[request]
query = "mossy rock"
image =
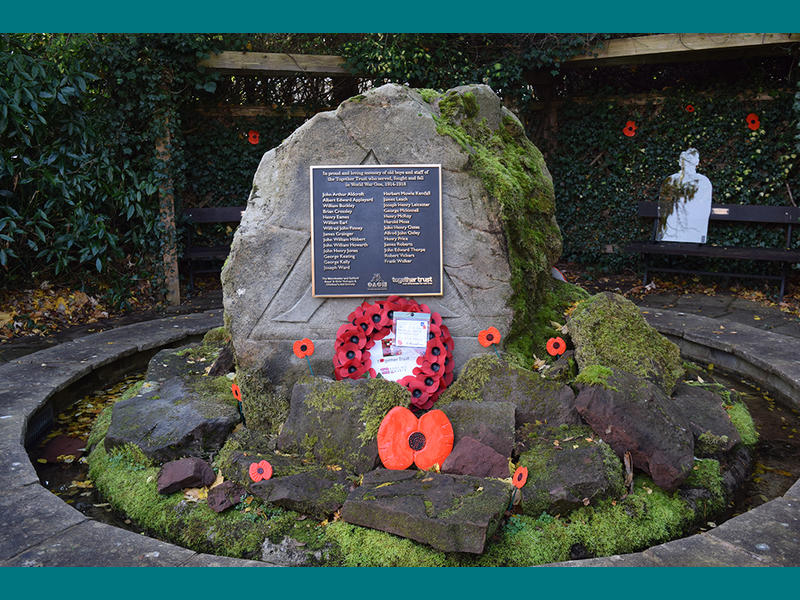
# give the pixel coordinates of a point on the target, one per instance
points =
(336, 422)
(568, 467)
(609, 330)
(489, 379)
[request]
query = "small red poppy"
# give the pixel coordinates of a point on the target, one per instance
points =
(237, 393)
(752, 121)
(629, 129)
(260, 471)
(420, 396)
(689, 108)
(303, 348)
(520, 477)
(252, 136)
(556, 346)
(349, 333)
(404, 440)
(490, 336)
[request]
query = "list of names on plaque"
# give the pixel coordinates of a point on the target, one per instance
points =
(376, 230)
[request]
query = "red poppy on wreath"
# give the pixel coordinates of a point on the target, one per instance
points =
(629, 129)
(404, 440)
(490, 336)
(520, 477)
(556, 346)
(370, 323)
(753, 121)
(252, 136)
(237, 393)
(689, 108)
(303, 348)
(260, 471)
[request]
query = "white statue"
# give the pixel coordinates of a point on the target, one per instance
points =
(685, 203)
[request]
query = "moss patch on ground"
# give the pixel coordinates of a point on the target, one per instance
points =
(609, 330)
(743, 422)
(596, 375)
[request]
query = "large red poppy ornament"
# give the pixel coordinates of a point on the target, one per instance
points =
(404, 440)
(370, 323)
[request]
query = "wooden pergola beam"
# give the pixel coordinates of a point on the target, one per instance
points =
(279, 64)
(666, 47)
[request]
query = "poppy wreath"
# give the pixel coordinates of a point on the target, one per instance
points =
(370, 323)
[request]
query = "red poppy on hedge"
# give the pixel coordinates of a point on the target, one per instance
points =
(303, 348)
(689, 108)
(260, 471)
(237, 393)
(520, 477)
(629, 129)
(490, 336)
(404, 440)
(556, 346)
(753, 121)
(252, 136)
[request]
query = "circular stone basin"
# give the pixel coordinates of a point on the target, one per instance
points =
(771, 372)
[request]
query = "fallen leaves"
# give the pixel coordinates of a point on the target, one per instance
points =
(195, 494)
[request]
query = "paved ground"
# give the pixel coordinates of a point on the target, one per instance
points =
(38, 529)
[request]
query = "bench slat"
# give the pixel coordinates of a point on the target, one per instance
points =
(215, 214)
(687, 249)
(748, 213)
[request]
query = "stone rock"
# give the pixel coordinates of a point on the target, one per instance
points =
(453, 513)
(176, 362)
(336, 422)
(172, 419)
(710, 424)
(318, 493)
(470, 457)
(184, 473)
(224, 496)
(634, 415)
(486, 378)
(267, 279)
(224, 363)
(63, 445)
(608, 330)
(235, 466)
(292, 553)
(490, 423)
(580, 470)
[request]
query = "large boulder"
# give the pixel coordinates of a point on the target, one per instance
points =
(491, 175)
(453, 513)
(174, 419)
(486, 378)
(636, 416)
(608, 330)
(568, 467)
(709, 422)
(336, 422)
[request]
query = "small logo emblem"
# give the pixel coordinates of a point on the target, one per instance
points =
(377, 283)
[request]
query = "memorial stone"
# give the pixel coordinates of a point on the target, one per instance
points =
(268, 295)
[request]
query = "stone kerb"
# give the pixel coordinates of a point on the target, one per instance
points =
(38, 529)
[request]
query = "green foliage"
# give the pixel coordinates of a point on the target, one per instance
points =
(600, 174)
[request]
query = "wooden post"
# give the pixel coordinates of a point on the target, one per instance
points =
(166, 192)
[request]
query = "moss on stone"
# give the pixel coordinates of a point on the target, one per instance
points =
(362, 547)
(743, 422)
(216, 337)
(708, 444)
(609, 330)
(264, 407)
(473, 377)
(596, 375)
(429, 95)
(513, 172)
(706, 475)
(384, 395)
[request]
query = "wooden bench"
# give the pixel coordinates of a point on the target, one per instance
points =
(741, 213)
(207, 254)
